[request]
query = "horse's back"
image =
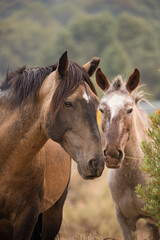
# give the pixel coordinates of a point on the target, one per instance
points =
(57, 172)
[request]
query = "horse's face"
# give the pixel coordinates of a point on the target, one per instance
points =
(117, 108)
(75, 128)
(117, 121)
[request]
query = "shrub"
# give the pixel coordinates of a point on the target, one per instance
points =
(151, 166)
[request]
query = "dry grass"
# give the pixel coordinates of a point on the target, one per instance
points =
(88, 210)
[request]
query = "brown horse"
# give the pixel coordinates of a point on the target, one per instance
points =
(124, 125)
(56, 179)
(57, 102)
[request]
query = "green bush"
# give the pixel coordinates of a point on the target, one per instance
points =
(151, 166)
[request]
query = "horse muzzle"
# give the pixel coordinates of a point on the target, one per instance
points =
(93, 169)
(114, 161)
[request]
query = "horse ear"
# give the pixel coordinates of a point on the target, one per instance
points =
(91, 66)
(102, 80)
(133, 80)
(63, 65)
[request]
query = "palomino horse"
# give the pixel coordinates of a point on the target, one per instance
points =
(57, 102)
(124, 125)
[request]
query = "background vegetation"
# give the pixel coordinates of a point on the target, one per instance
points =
(124, 33)
(151, 166)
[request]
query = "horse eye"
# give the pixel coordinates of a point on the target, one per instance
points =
(130, 110)
(68, 104)
(101, 110)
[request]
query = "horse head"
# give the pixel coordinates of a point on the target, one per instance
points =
(70, 116)
(117, 107)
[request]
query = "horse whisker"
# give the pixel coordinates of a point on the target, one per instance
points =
(129, 157)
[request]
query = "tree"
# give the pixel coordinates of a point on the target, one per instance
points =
(115, 60)
(151, 166)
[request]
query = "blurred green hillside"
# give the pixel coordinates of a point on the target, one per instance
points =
(124, 33)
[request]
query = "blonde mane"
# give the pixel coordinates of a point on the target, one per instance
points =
(140, 96)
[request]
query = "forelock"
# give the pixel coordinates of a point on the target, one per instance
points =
(117, 82)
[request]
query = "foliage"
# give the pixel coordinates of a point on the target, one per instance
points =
(124, 35)
(116, 60)
(151, 166)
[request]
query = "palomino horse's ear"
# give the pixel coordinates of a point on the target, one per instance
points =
(133, 80)
(102, 80)
(63, 64)
(91, 66)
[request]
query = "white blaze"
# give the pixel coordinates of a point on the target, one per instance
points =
(86, 97)
(115, 103)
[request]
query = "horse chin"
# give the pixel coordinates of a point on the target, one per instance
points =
(85, 177)
(113, 166)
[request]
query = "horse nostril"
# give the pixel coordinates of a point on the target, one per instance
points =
(105, 152)
(120, 154)
(93, 164)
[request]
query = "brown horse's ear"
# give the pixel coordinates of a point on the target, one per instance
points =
(133, 80)
(102, 80)
(91, 66)
(63, 64)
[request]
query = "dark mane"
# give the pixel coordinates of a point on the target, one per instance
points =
(24, 83)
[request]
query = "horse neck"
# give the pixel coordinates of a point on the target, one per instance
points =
(138, 134)
(22, 128)
(22, 132)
